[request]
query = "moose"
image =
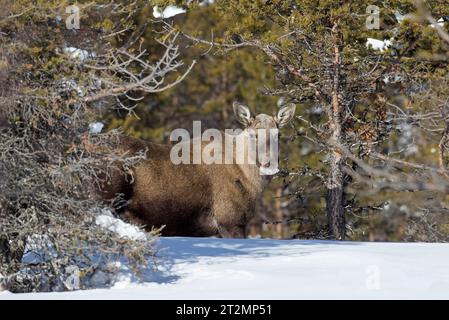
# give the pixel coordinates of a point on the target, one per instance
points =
(194, 199)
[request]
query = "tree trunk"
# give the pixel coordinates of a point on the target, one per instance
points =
(335, 201)
(335, 184)
(279, 227)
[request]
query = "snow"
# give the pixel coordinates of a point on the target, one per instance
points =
(168, 12)
(401, 17)
(406, 141)
(121, 228)
(68, 85)
(38, 249)
(376, 44)
(77, 54)
(211, 268)
(440, 22)
(96, 127)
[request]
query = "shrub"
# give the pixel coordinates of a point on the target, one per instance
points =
(54, 82)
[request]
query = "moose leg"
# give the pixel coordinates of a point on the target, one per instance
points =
(233, 231)
(230, 228)
(238, 231)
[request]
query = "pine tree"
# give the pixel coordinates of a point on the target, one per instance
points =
(319, 52)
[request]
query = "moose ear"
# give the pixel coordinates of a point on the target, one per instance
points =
(285, 115)
(242, 113)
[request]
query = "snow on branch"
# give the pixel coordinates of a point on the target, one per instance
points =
(434, 22)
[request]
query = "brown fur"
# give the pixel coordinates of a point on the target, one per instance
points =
(188, 199)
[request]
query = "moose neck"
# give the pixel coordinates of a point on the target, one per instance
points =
(249, 167)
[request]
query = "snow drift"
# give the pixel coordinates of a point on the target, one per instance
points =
(209, 268)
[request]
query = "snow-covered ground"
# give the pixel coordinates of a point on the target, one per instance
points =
(168, 12)
(209, 268)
